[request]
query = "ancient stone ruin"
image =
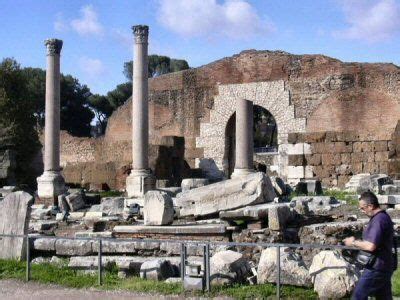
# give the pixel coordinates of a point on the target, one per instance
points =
(181, 151)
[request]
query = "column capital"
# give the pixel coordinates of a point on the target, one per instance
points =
(53, 46)
(141, 33)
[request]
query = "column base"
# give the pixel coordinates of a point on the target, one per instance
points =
(241, 172)
(139, 182)
(50, 185)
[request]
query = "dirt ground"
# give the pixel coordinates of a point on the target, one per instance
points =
(18, 290)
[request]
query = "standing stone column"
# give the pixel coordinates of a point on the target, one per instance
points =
(51, 183)
(140, 180)
(244, 138)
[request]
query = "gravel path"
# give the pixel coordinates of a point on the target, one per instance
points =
(16, 290)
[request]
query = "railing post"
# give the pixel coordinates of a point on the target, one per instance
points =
(278, 271)
(207, 267)
(99, 263)
(28, 259)
(183, 261)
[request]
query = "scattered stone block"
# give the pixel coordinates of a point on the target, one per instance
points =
(157, 269)
(73, 247)
(44, 244)
(333, 276)
(309, 186)
(112, 206)
(75, 201)
(41, 213)
(389, 189)
(158, 208)
(388, 199)
(193, 284)
(173, 280)
(63, 204)
(228, 267)
(75, 216)
(45, 225)
(316, 203)
(255, 188)
(192, 183)
(254, 212)
(278, 216)
(293, 269)
(93, 215)
(15, 212)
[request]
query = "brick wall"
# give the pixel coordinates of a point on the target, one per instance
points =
(335, 156)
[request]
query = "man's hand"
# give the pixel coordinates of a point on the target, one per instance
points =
(349, 241)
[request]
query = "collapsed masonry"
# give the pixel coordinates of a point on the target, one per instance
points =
(253, 208)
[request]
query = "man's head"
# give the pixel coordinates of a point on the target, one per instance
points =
(368, 203)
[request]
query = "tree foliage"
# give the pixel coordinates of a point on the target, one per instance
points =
(75, 112)
(158, 65)
(17, 115)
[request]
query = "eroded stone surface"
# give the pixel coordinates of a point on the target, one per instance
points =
(158, 208)
(333, 276)
(14, 219)
(234, 193)
(293, 269)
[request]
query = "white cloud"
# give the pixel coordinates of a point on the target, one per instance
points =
(369, 20)
(60, 24)
(88, 23)
(92, 67)
(233, 18)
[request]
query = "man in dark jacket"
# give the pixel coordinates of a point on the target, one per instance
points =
(378, 239)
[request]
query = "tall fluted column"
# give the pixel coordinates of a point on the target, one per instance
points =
(244, 138)
(51, 183)
(140, 180)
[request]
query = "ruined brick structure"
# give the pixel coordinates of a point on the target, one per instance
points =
(334, 119)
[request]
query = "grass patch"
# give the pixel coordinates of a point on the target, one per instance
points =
(396, 283)
(61, 275)
(350, 198)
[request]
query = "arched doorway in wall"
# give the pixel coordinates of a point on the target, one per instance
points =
(265, 137)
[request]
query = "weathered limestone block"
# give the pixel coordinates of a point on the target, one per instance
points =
(278, 216)
(41, 213)
(254, 212)
(293, 269)
(157, 269)
(44, 244)
(390, 189)
(73, 247)
(75, 201)
(388, 199)
(333, 276)
(234, 193)
(112, 205)
(192, 183)
(15, 212)
(316, 203)
(228, 267)
(158, 208)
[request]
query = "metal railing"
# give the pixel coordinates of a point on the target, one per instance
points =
(183, 252)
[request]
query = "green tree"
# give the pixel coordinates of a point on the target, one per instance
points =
(158, 65)
(17, 115)
(75, 112)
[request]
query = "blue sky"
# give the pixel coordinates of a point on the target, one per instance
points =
(98, 39)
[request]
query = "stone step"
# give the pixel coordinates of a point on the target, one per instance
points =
(172, 229)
